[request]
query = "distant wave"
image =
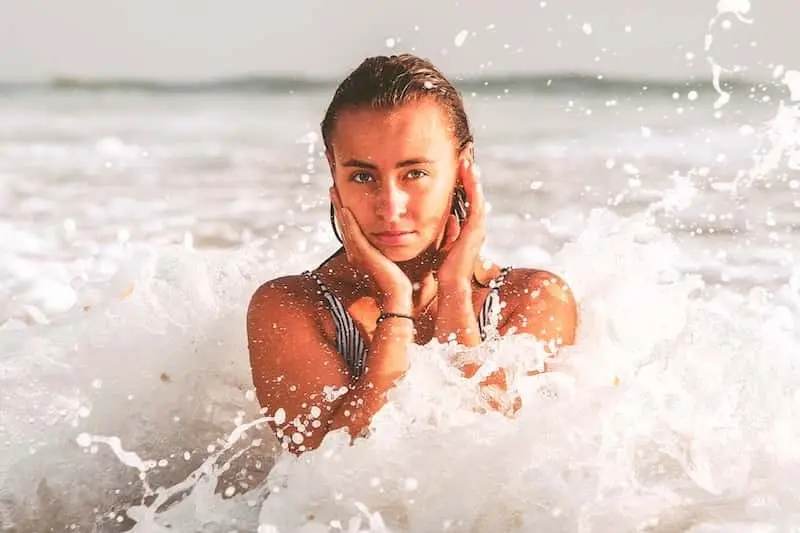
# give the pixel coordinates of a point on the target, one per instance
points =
(556, 83)
(253, 84)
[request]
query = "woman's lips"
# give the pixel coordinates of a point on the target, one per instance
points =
(393, 238)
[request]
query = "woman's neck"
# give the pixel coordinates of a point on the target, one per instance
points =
(422, 274)
(420, 271)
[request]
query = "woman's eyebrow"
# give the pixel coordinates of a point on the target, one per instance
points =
(405, 163)
(414, 161)
(359, 164)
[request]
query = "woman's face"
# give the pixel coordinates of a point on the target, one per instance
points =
(396, 170)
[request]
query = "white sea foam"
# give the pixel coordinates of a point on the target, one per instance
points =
(676, 408)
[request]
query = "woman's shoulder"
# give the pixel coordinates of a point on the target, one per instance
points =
(285, 295)
(521, 281)
(540, 302)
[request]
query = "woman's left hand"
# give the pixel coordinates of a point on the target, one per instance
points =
(462, 242)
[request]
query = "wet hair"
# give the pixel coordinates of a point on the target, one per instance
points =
(388, 82)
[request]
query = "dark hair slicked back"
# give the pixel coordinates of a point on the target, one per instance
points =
(387, 82)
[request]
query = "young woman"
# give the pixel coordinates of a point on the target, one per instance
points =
(326, 345)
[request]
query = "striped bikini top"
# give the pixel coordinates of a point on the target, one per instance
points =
(350, 343)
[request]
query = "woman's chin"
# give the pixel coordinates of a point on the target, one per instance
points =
(400, 254)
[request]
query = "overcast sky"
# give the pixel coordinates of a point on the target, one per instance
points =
(185, 39)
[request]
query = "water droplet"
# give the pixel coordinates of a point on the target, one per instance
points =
(746, 130)
(737, 7)
(630, 168)
(792, 80)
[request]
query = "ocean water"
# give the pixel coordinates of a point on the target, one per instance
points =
(136, 219)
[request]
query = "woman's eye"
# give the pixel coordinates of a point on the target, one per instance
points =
(361, 177)
(416, 174)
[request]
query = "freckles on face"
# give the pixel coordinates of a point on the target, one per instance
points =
(396, 167)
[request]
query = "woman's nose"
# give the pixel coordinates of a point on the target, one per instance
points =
(392, 201)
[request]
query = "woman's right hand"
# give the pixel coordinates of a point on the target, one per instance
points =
(393, 285)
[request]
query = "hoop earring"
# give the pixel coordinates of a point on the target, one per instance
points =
(333, 225)
(460, 204)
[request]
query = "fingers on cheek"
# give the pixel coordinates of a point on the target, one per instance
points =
(347, 220)
(453, 230)
(451, 225)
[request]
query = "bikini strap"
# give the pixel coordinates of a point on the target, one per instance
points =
(322, 288)
(349, 342)
(489, 316)
(498, 282)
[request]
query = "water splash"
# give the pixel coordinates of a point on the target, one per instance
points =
(780, 140)
(737, 8)
(667, 407)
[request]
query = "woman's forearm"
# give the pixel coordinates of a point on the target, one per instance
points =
(455, 318)
(387, 361)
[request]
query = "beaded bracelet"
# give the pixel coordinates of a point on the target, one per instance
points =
(384, 316)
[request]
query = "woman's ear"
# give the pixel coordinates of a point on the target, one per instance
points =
(465, 156)
(468, 151)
